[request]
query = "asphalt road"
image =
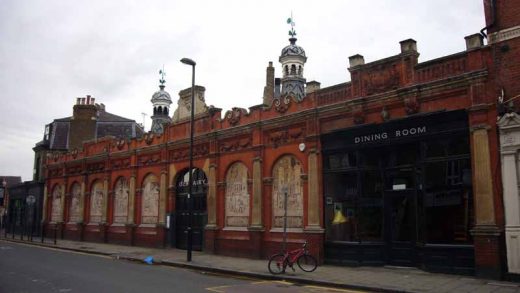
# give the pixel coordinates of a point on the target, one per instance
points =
(25, 268)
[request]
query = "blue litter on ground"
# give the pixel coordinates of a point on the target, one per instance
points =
(149, 260)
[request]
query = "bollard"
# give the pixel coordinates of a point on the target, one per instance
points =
(12, 228)
(55, 232)
(32, 231)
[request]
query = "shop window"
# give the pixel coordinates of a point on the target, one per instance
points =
(370, 207)
(402, 155)
(447, 147)
(447, 202)
(371, 158)
(341, 190)
(341, 161)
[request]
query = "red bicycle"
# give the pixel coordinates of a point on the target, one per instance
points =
(280, 261)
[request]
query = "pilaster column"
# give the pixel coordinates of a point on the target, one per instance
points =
(45, 202)
(483, 186)
(512, 210)
(485, 233)
(81, 203)
(256, 213)
(313, 207)
(163, 193)
(212, 196)
(62, 203)
(131, 200)
(105, 201)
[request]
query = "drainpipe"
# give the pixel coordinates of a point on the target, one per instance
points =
(493, 17)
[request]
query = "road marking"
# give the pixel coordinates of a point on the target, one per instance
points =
(217, 289)
(329, 289)
(277, 286)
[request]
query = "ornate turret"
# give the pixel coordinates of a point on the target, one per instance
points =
(161, 106)
(293, 60)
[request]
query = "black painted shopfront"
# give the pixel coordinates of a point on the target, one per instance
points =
(399, 193)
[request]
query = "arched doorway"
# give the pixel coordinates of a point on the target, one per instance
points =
(198, 208)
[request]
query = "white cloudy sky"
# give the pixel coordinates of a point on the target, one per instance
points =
(54, 51)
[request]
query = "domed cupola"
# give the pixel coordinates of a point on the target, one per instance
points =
(293, 60)
(161, 102)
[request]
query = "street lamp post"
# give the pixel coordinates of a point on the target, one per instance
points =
(192, 63)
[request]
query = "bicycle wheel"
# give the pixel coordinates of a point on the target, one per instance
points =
(307, 263)
(277, 264)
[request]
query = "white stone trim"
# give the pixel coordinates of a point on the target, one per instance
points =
(232, 228)
(504, 35)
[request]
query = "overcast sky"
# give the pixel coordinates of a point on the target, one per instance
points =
(54, 51)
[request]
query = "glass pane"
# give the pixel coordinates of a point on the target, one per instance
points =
(370, 207)
(341, 190)
(341, 161)
(401, 218)
(447, 202)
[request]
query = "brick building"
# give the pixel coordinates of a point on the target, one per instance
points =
(399, 166)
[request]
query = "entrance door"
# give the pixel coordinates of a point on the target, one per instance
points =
(400, 218)
(197, 203)
(400, 227)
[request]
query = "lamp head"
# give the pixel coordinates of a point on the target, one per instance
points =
(188, 61)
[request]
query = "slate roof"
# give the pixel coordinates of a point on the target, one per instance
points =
(11, 180)
(107, 124)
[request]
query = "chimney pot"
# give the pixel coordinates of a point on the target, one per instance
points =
(78, 101)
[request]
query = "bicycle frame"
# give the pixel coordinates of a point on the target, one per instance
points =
(292, 256)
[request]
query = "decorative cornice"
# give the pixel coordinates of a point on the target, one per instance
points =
(504, 35)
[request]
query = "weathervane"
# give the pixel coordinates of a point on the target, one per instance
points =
(163, 74)
(290, 21)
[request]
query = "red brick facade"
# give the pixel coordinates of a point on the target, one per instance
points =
(393, 88)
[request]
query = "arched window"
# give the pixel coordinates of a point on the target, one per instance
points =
(165, 111)
(75, 206)
(286, 70)
(300, 70)
(287, 182)
(97, 202)
(121, 194)
(293, 69)
(150, 200)
(56, 210)
(237, 196)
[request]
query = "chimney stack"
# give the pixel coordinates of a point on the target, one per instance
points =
(356, 60)
(474, 41)
(409, 45)
(312, 86)
(269, 85)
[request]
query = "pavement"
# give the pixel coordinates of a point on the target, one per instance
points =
(377, 279)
